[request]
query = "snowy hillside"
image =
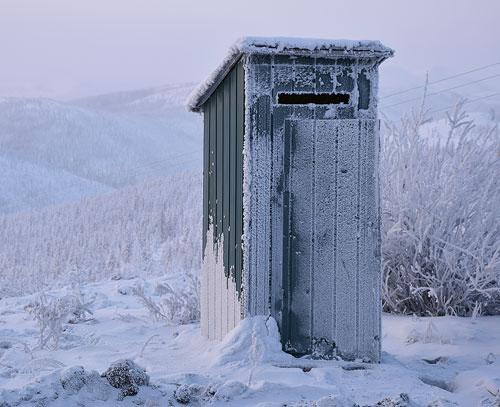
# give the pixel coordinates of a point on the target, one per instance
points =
(25, 186)
(107, 141)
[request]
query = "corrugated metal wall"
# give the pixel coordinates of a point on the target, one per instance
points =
(223, 197)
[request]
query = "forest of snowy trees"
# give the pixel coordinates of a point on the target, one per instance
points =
(145, 230)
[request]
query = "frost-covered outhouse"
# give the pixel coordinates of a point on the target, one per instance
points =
(291, 214)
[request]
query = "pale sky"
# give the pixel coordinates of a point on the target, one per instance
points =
(72, 48)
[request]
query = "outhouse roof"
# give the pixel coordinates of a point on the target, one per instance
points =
(284, 46)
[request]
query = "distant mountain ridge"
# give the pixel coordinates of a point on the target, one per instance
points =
(149, 100)
(53, 152)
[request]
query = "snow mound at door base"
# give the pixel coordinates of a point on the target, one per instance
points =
(256, 340)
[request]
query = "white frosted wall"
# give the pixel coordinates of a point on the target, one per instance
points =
(220, 304)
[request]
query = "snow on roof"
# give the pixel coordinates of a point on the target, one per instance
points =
(284, 46)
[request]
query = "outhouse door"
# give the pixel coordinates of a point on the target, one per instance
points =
(331, 254)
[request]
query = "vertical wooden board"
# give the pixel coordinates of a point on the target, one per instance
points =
(219, 205)
(211, 302)
(262, 79)
(301, 244)
(279, 210)
(204, 302)
(305, 78)
(363, 84)
(277, 228)
(233, 171)
(206, 213)
(325, 78)
(251, 255)
(237, 309)
(213, 212)
(261, 180)
(282, 79)
(301, 112)
(369, 264)
(206, 169)
(227, 168)
(324, 248)
(220, 161)
(221, 305)
(286, 237)
(376, 232)
(346, 243)
(344, 80)
(226, 207)
(240, 119)
(213, 159)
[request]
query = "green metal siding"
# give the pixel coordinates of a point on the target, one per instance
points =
(223, 169)
(206, 178)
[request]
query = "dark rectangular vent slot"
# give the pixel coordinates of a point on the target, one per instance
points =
(315, 98)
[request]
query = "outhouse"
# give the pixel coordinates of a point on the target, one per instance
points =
(291, 211)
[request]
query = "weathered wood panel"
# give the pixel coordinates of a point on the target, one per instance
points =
(346, 245)
(324, 230)
(301, 234)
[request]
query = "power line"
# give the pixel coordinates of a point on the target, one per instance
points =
(444, 90)
(466, 102)
(440, 80)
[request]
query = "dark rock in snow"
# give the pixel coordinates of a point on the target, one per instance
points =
(354, 366)
(439, 359)
(402, 401)
(183, 394)
(127, 376)
(323, 349)
(72, 379)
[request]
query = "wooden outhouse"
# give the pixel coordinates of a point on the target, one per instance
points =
(291, 212)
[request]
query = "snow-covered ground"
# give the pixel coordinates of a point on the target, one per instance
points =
(440, 361)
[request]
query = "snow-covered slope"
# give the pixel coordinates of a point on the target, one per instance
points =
(25, 186)
(110, 140)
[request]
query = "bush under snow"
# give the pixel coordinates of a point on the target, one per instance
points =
(440, 215)
(51, 314)
(179, 305)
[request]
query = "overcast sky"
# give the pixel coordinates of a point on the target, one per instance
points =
(72, 48)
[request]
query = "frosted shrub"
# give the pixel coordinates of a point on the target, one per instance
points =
(51, 314)
(440, 217)
(178, 306)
